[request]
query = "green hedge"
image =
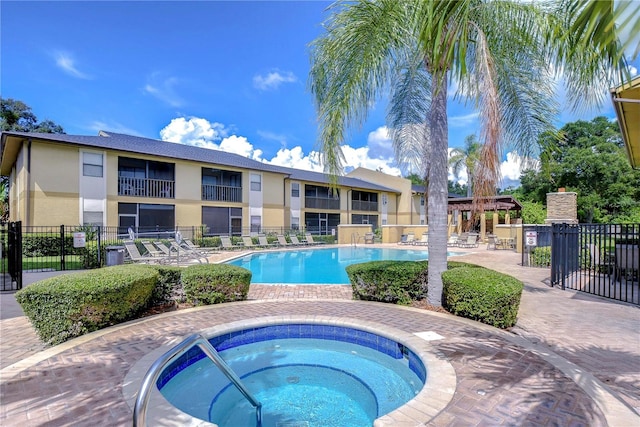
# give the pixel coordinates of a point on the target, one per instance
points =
(482, 294)
(397, 282)
(169, 287)
(215, 283)
(70, 305)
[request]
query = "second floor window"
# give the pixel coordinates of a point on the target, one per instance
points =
(256, 182)
(295, 189)
(92, 164)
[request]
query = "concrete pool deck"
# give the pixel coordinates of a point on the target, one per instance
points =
(572, 359)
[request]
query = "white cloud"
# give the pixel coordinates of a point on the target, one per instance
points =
(380, 143)
(194, 131)
(465, 121)
(295, 158)
(512, 167)
(66, 62)
(163, 88)
(273, 80)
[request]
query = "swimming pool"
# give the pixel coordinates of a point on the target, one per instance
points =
(317, 266)
(311, 374)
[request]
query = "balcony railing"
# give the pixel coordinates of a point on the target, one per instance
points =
(321, 203)
(223, 193)
(361, 205)
(146, 187)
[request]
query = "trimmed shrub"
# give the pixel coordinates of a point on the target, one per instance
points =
(483, 295)
(67, 306)
(169, 287)
(397, 282)
(541, 256)
(215, 283)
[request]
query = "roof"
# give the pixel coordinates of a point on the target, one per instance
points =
(494, 203)
(626, 102)
(421, 189)
(11, 142)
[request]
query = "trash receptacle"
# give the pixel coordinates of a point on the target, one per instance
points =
(115, 255)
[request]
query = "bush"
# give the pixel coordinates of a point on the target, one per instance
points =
(168, 289)
(541, 256)
(67, 306)
(215, 283)
(483, 295)
(397, 282)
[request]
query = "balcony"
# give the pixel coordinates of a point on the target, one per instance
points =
(221, 193)
(361, 205)
(321, 203)
(146, 187)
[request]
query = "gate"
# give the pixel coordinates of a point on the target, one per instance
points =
(538, 255)
(11, 256)
(600, 259)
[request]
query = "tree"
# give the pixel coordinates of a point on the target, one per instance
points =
(498, 52)
(467, 158)
(17, 116)
(590, 160)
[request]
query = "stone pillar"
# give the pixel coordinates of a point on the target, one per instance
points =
(496, 221)
(562, 207)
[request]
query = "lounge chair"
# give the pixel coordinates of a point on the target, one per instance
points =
(470, 242)
(296, 242)
(228, 244)
(310, 241)
(262, 240)
(600, 263)
(152, 250)
(190, 245)
(369, 238)
(184, 252)
(283, 240)
(453, 240)
(135, 256)
(247, 242)
(424, 240)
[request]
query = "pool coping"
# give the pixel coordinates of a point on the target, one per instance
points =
(428, 403)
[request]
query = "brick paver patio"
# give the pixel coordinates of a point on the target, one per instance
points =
(571, 360)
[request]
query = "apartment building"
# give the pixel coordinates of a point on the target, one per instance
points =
(127, 181)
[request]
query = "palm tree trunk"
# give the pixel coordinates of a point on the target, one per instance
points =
(437, 189)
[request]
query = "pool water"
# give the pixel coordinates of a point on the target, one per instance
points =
(300, 381)
(317, 266)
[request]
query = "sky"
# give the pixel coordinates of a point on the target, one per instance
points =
(222, 75)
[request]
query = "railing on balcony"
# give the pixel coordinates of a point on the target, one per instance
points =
(361, 205)
(146, 187)
(223, 193)
(321, 203)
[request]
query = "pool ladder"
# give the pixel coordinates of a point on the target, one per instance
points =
(142, 401)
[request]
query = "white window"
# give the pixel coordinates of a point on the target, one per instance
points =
(92, 164)
(256, 182)
(256, 223)
(384, 199)
(295, 189)
(421, 200)
(91, 218)
(295, 223)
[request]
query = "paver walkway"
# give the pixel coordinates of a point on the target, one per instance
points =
(572, 359)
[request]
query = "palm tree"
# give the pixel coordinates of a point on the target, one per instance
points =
(467, 158)
(498, 52)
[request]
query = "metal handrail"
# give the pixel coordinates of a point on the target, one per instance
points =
(142, 401)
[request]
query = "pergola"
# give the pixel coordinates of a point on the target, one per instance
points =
(626, 101)
(495, 204)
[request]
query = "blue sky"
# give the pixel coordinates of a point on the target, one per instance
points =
(227, 75)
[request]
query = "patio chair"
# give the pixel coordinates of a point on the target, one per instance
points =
(600, 263)
(262, 240)
(283, 240)
(135, 255)
(424, 240)
(491, 242)
(228, 244)
(184, 252)
(309, 239)
(470, 242)
(627, 262)
(190, 245)
(369, 238)
(152, 250)
(296, 242)
(453, 240)
(247, 242)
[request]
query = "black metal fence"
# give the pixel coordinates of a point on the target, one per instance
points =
(600, 259)
(11, 256)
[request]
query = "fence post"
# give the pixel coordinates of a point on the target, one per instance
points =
(62, 263)
(99, 230)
